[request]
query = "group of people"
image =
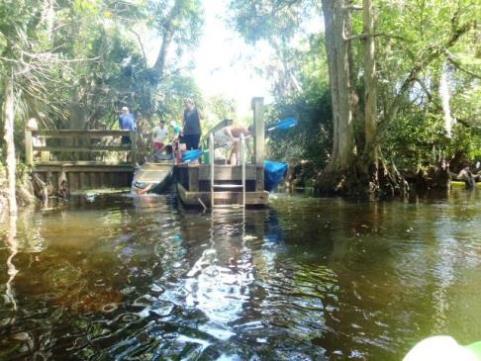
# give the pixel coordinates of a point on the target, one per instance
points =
(188, 137)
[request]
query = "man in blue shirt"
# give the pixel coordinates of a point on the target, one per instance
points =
(126, 122)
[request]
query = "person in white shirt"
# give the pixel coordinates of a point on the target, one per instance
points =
(159, 136)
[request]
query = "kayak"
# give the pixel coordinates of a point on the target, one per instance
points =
(462, 184)
(445, 348)
(153, 177)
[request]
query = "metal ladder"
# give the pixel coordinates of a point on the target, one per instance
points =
(214, 186)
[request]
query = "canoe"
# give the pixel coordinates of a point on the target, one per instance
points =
(462, 184)
(153, 177)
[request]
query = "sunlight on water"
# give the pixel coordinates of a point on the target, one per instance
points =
(130, 278)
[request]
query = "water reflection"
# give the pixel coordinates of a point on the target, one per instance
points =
(11, 242)
(218, 282)
(137, 278)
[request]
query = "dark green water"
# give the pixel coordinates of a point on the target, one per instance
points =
(124, 278)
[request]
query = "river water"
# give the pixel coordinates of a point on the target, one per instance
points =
(125, 278)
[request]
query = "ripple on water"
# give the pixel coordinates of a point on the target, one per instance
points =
(140, 280)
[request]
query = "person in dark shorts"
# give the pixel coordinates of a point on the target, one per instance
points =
(126, 122)
(191, 131)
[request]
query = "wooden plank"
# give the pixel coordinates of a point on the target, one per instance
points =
(133, 147)
(226, 172)
(194, 178)
(260, 178)
(54, 179)
(28, 147)
(259, 141)
(91, 148)
(85, 169)
(78, 133)
(62, 163)
(93, 180)
(115, 179)
(61, 177)
(82, 180)
(107, 182)
(49, 177)
(218, 126)
(192, 198)
(73, 180)
(102, 179)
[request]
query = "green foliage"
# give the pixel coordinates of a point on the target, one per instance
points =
(76, 63)
(416, 41)
(310, 139)
(219, 108)
(277, 21)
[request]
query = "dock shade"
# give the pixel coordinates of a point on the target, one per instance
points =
(274, 173)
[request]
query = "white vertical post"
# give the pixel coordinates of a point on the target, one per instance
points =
(212, 172)
(259, 128)
(243, 163)
(28, 147)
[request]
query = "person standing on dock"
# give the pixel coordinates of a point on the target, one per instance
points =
(230, 138)
(126, 122)
(191, 129)
(159, 136)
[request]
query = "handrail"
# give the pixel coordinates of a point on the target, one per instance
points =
(70, 133)
(32, 135)
(222, 124)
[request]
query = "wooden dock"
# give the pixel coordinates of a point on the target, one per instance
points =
(194, 183)
(81, 159)
(85, 159)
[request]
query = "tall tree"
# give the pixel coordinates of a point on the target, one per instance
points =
(370, 83)
(372, 86)
(338, 26)
(9, 119)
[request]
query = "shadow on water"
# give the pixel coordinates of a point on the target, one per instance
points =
(138, 278)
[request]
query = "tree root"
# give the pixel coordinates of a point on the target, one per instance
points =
(375, 181)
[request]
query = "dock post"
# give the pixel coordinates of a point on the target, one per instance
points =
(259, 128)
(133, 147)
(28, 147)
(259, 140)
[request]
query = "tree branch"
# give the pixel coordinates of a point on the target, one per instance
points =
(141, 45)
(432, 53)
(457, 64)
(364, 36)
(425, 89)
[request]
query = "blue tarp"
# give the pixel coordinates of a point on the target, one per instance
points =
(274, 173)
(191, 155)
(283, 124)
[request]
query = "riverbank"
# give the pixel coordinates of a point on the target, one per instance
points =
(305, 175)
(24, 189)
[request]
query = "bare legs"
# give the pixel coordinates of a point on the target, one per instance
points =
(234, 157)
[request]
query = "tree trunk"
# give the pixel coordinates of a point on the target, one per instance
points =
(370, 101)
(9, 118)
(162, 56)
(167, 36)
(337, 22)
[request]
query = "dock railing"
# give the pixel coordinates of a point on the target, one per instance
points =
(81, 141)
